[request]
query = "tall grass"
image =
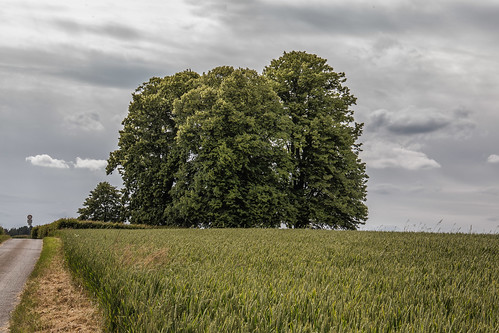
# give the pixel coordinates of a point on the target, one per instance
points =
(289, 280)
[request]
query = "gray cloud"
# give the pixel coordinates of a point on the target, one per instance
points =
(409, 121)
(84, 65)
(292, 17)
(85, 121)
(104, 69)
(414, 121)
(112, 30)
(481, 17)
(349, 18)
(384, 189)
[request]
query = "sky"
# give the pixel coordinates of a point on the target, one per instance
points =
(425, 74)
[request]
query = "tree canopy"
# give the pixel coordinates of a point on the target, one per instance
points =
(235, 148)
(103, 204)
(328, 180)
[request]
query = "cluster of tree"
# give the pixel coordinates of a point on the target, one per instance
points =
(103, 204)
(2, 231)
(235, 148)
(21, 231)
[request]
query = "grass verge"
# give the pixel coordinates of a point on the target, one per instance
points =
(51, 300)
(4, 238)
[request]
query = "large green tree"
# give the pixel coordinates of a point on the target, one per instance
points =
(103, 204)
(328, 180)
(233, 148)
(147, 157)
(232, 132)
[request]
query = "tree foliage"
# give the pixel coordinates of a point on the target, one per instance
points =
(103, 204)
(328, 180)
(148, 156)
(232, 135)
(233, 148)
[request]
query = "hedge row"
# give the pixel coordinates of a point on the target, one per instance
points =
(70, 223)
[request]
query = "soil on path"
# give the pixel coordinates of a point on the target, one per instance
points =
(17, 260)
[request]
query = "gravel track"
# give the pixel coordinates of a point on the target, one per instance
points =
(17, 260)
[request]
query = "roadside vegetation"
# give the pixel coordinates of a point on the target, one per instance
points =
(223, 280)
(3, 235)
(70, 223)
(51, 300)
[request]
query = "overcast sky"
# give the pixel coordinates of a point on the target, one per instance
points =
(426, 75)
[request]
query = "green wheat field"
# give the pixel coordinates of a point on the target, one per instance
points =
(269, 280)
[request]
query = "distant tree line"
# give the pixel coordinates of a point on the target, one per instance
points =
(21, 231)
(235, 148)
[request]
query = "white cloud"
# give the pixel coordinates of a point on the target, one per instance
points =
(45, 160)
(493, 158)
(90, 164)
(382, 155)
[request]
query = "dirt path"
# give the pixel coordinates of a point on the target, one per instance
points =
(17, 259)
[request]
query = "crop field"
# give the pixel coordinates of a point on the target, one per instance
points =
(268, 280)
